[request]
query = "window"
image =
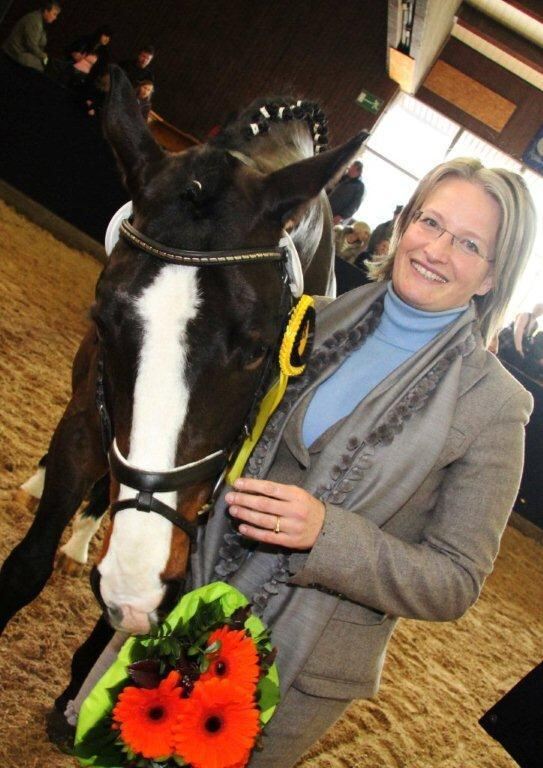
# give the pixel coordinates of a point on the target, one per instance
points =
(412, 136)
(386, 187)
(469, 145)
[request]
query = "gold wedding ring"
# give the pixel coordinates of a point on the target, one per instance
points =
(277, 528)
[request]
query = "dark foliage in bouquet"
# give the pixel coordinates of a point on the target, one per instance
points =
(196, 691)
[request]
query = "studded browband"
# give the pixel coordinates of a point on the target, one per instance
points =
(197, 258)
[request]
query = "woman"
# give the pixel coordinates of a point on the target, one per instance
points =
(382, 485)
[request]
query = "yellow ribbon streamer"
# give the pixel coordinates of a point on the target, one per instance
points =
(299, 314)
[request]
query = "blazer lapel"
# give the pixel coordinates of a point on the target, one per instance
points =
(405, 376)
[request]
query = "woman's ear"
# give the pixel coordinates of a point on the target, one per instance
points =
(487, 283)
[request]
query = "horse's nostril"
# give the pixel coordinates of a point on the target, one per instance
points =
(115, 614)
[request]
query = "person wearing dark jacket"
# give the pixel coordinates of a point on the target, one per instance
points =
(140, 68)
(347, 195)
(88, 56)
(521, 343)
(381, 235)
(95, 44)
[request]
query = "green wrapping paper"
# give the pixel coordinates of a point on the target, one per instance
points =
(95, 741)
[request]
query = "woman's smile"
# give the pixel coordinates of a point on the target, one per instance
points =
(427, 273)
(430, 272)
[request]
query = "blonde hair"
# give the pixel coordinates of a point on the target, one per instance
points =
(513, 242)
(361, 230)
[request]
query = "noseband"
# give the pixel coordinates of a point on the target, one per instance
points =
(146, 482)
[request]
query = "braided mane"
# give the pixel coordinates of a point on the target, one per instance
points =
(276, 131)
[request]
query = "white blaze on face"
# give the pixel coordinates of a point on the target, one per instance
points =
(140, 543)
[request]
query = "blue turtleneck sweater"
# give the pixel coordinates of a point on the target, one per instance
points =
(402, 331)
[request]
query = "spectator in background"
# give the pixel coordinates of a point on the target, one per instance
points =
(96, 92)
(380, 238)
(521, 343)
(140, 68)
(535, 360)
(144, 94)
(379, 241)
(87, 53)
(346, 196)
(27, 40)
(351, 240)
(526, 327)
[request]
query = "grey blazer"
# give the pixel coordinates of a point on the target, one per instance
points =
(414, 515)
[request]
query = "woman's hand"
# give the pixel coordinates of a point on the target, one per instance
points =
(274, 513)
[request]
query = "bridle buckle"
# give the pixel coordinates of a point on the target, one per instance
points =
(144, 501)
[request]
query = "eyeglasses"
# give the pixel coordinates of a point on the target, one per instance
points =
(427, 224)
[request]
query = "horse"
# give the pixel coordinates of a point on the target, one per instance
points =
(188, 314)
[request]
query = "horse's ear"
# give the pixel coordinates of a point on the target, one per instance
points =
(295, 184)
(126, 130)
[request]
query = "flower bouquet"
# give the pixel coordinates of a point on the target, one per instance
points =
(195, 692)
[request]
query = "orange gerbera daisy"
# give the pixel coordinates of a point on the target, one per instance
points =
(236, 660)
(146, 716)
(217, 725)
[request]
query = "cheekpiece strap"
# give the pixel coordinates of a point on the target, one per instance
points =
(106, 429)
(197, 258)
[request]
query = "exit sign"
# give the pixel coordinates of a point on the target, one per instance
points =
(369, 102)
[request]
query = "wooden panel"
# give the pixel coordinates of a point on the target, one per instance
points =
(469, 95)
(215, 56)
(168, 136)
(525, 121)
(402, 69)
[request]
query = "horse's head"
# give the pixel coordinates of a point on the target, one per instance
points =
(184, 347)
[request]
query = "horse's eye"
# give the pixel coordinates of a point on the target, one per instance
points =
(193, 191)
(254, 357)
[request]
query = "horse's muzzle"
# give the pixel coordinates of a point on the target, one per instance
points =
(126, 618)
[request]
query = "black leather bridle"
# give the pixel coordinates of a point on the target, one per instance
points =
(198, 258)
(146, 483)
